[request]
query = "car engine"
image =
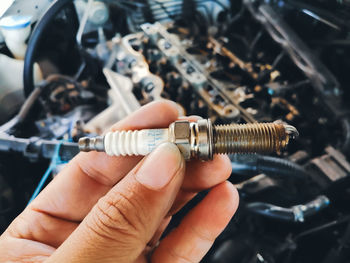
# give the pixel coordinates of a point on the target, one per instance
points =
(90, 63)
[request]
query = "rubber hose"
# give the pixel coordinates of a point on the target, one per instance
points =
(271, 211)
(346, 129)
(296, 213)
(274, 166)
(34, 40)
(252, 164)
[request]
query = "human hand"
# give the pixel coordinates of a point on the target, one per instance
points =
(115, 209)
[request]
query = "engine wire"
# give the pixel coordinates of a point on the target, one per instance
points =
(55, 161)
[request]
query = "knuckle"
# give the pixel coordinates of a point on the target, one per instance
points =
(118, 214)
(203, 235)
(181, 259)
(178, 257)
(87, 167)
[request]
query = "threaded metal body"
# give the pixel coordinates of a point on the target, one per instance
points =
(249, 138)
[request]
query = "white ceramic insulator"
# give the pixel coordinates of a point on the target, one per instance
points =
(134, 142)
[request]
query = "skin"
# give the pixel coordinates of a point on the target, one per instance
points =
(115, 209)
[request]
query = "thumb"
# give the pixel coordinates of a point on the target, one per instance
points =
(122, 222)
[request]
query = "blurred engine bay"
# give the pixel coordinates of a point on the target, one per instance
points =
(228, 60)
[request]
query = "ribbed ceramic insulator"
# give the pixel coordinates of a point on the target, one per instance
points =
(134, 142)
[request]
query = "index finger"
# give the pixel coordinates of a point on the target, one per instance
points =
(89, 176)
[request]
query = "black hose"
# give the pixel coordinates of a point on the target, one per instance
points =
(271, 211)
(20, 117)
(296, 213)
(346, 130)
(253, 164)
(274, 166)
(34, 40)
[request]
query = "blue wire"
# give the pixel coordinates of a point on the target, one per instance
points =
(55, 160)
(41, 183)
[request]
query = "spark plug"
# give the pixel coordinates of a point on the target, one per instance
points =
(196, 140)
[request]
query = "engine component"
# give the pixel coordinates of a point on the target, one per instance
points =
(16, 30)
(35, 38)
(295, 213)
(207, 87)
(323, 80)
(122, 87)
(36, 148)
(249, 165)
(329, 168)
(198, 139)
(24, 7)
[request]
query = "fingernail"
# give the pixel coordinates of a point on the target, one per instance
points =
(160, 166)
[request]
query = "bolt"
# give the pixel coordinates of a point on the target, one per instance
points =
(167, 45)
(196, 140)
(190, 70)
(149, 87)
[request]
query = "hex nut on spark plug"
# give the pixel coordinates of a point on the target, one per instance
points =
(194, 139)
